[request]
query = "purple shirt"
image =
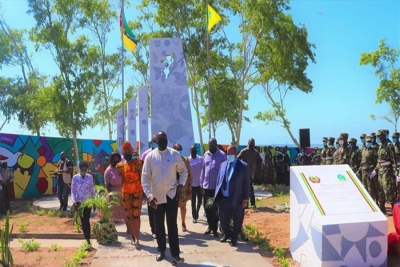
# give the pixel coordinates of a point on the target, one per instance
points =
(196, 165)
(209, 172)
(112, 179)
(146, 153)
(81, 188)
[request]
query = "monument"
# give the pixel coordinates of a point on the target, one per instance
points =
(170, 103)
(333, 219)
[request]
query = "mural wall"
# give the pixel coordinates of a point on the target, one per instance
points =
(34, 158)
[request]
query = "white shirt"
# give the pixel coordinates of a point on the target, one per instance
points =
(159, 174)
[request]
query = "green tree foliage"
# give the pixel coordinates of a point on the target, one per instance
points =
(385, 62)
(57, 24)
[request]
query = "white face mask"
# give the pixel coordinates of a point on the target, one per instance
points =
(341, 142)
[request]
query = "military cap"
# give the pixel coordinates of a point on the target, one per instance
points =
(368, 139)
(381, 132)
(344, 135)
(352, 140)
(372, 135)
(332, 139)
(395, 134)
(324, 139)
(362, 135)
(316, 147)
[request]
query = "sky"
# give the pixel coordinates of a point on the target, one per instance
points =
(343, 95)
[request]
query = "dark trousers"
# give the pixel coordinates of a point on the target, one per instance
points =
(62, 192)
(152, 219)
(196, 195)
(170, 209)
(252, 196)
(228, 212)
(211, 212)
(6, 196)
(85, 222)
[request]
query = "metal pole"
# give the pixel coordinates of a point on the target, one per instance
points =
(208, 79)
(122, 69)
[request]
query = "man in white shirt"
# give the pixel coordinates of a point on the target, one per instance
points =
(163, 193)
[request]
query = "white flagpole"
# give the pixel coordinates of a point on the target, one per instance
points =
(208, 78)
(122, 69)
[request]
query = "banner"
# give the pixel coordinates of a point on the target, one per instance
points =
(170, 104)
(120, 130)
(143, 120)
(132, 122)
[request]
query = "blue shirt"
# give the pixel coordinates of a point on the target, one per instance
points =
(228, 173)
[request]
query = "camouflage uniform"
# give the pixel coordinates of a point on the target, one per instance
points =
(324, 150)
(316, 159)
(368, 163)
(336, 152)
(344, 152)
(329, 160)
(385, 170)
(355, 158)
(396, 149)
(362, 139)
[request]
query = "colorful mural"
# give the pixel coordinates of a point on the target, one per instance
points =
(34, 158)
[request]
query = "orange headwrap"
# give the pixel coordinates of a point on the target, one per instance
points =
(127, 146)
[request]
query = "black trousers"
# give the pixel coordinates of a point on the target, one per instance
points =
(85, 222)
(252, 196)
(196, 201)
(6, 196)
(211, 212)
(152, 219)
(170, 210)
(62, 192)
(228, 212)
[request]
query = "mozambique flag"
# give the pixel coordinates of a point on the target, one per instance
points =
(213, 17)
(128, 37)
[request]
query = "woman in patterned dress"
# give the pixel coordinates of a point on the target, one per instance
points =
(187, 188)
(132, 191)
(113, 182)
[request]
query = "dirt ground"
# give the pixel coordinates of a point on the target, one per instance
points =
(272, 224)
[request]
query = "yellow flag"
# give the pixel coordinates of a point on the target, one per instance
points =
(213, 17)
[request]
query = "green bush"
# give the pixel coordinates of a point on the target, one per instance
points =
(40, 212)
(5, 236)
(51, 213)
(55, 247)
(30, 245)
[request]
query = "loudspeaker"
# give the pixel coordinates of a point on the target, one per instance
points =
(304, 138)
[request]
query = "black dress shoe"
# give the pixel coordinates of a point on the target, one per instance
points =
(215, 234)
(60, 208)
(208, 231)
(224, 238)
(160, 256)
(232, 243)
(177, 259)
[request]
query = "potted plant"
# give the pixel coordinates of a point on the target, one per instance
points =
(104, 230)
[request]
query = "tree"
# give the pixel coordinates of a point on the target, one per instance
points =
(72, 89)
(384, 60)
(283, 54)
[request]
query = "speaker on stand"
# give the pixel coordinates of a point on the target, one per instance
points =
(304, 138)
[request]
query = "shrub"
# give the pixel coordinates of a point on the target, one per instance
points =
(30, 245)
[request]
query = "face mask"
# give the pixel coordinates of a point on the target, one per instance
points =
(324, 143)
(134, 157)
(154, 145)
(231, 158)
(128, 156)
(362, 140)
(341, 142)
(378, 140)
(368, 145)
(162, 144)
(394, 140)
(337, 145)
(373, 140)
(387, 136)
(180, 152)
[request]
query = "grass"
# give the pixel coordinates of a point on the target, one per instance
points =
(23, 228)
(30, 245)
(55, 247)
(77, 257)
(51, 213)
(40, 212)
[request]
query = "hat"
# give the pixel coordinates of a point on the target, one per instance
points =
(315, 147)
(352, 140)
(362, 135)
(127, 146)
(344, 135)
(381, 132)
(395, 134)
(372, 135)
(332, 139)
(368, 139)
(324, 139)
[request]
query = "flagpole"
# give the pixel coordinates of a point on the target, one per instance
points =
(208, 78)
(122, 72)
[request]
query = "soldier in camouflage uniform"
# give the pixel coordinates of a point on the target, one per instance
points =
(324, 150)
(336, 151)
(355, 158)
(316, 159)
(396, 144)
(375, 145)
(344, 153)
(329, 153)
(362, 139)
(384, 169)
(368, 163)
